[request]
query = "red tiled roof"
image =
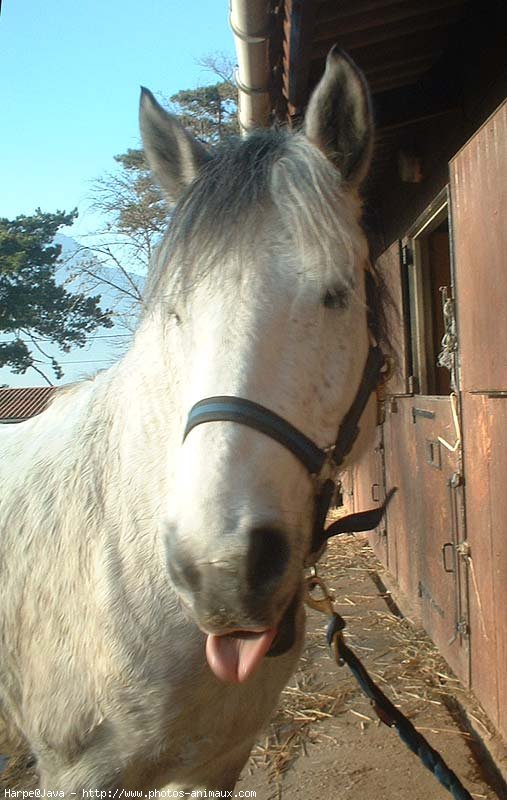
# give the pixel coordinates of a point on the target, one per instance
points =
(19, 404)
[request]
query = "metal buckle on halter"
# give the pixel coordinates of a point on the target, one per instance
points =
(328, 470)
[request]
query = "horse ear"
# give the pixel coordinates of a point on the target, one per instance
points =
(174, 156)
(339, 118)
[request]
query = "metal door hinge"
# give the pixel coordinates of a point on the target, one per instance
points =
(407, 256)
(413, 384)
(462, 628)
(456, 480)
(422, 412)
(492, 393)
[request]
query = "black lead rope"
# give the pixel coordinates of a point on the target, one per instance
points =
(391, 716)
(385, 710)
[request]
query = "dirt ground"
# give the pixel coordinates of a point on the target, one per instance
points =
(325, 741)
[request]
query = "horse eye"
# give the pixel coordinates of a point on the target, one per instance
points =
(336, 298)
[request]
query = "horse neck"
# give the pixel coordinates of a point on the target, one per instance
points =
(143, 391)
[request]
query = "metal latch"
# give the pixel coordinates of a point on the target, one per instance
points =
(462, 549)
(448, 547)
(456, 480)
(463, 628)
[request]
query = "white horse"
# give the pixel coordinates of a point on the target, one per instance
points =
(151, 588)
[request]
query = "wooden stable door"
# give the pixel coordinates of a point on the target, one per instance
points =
(369, 477)
(439, 507)
(420, 542)
(479, 210)
(425, 520)
(437, 496)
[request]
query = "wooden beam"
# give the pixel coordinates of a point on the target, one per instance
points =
(390, 32)
(298, 27)
(355, 17)
(407, 105)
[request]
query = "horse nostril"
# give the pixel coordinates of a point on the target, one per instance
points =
(183, 571)
(267, 558)
(185, 574)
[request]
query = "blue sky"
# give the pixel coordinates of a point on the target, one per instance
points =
(69, 80)
(70, 74)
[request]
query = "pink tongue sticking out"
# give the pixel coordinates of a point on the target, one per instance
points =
(234, 659)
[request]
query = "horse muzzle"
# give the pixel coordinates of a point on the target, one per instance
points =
(237, 576)
(245, 598)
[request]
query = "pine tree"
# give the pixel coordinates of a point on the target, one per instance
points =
(136, 211)
(32, 305)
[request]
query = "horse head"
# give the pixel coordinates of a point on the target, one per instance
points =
(259, 286)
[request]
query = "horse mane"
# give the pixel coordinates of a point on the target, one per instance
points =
(272, 178)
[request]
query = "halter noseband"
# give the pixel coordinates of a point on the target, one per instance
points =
(322, 464)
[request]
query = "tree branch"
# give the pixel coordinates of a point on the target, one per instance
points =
(41, 373)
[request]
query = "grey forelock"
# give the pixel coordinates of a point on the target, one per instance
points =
(271, 177)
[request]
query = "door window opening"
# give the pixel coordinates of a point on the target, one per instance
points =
(429, 272)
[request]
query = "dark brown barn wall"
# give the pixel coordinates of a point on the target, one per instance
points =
(463, 89)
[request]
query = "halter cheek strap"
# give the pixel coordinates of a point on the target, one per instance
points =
(322, 464)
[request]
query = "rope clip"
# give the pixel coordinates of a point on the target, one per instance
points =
(324, 604)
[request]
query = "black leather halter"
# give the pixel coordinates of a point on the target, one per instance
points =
(322, 464)
(245, 412)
